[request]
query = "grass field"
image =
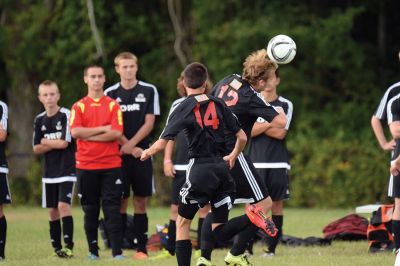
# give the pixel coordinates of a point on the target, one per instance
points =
(28, 242)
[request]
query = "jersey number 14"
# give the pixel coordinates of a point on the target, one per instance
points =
(210, 116)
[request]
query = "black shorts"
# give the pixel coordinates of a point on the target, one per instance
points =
(138, 176)
(5, 195)
(277, 182)
(100, 186)
(176, 185)
(208, 181)
(53, 193)
(249, 186)
(394, 186)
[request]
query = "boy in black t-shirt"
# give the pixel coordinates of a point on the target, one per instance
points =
(52, 138)
(139, 105)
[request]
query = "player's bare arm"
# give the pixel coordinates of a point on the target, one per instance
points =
(279, 121)
(276, 133)
(259, 128)
(158, 146)
(380, 135)
(142, 133)
(110, 135)
(86, 132)
(40, 149)
(169, 169)
(241, 141)
(54, 143)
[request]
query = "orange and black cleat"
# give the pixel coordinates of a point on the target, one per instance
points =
(261, 220)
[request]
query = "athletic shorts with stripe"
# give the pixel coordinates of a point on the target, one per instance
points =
(5, 195)
(137, 176)
(53, 193)
(177, 183)
(208, 180)
(250, 188)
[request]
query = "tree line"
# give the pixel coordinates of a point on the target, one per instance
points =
(347, 56)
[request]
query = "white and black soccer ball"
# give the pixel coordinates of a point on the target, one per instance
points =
(281, 49)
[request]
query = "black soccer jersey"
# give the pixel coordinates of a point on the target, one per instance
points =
(3, 123)
(181, 144)
(268, 152)
(135, 104)
(59, 164)
(244, 102)
(381, 112)
(203, 119)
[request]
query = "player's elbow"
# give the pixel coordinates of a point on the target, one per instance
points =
(37, 150)
(281, 134)
(74, 133)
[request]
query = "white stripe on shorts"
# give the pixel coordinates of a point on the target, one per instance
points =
(250, 177)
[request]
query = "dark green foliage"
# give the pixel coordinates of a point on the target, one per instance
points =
(341, 70)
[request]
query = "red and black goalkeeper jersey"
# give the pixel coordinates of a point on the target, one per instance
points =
(135, 104)
(244, 102)
(89, 112)
(203, 119)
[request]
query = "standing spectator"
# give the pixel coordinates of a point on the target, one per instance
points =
(203, 119)
(393, 119)
(5, 196)
(96, 123)
(52, 138)
(269, 153)
(139, 104)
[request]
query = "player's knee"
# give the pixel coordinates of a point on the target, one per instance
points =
(139, 203)
(277, 207)
(112, 217)
(64, 209)
(174, 212)
(54, 214)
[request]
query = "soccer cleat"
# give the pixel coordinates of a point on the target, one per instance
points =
(268, 254)
(163, 254)
(59, 254)
(93, 257)
(67, 253)
(261, 220)
(239, 260)
(140, 256)
(203, 262)
(119, 257)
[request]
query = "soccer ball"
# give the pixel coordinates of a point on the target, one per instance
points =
(281, 49)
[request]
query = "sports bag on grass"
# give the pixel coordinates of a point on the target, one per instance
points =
(350, 227)
(379, 232)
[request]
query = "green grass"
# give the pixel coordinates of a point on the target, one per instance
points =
(28, 241)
